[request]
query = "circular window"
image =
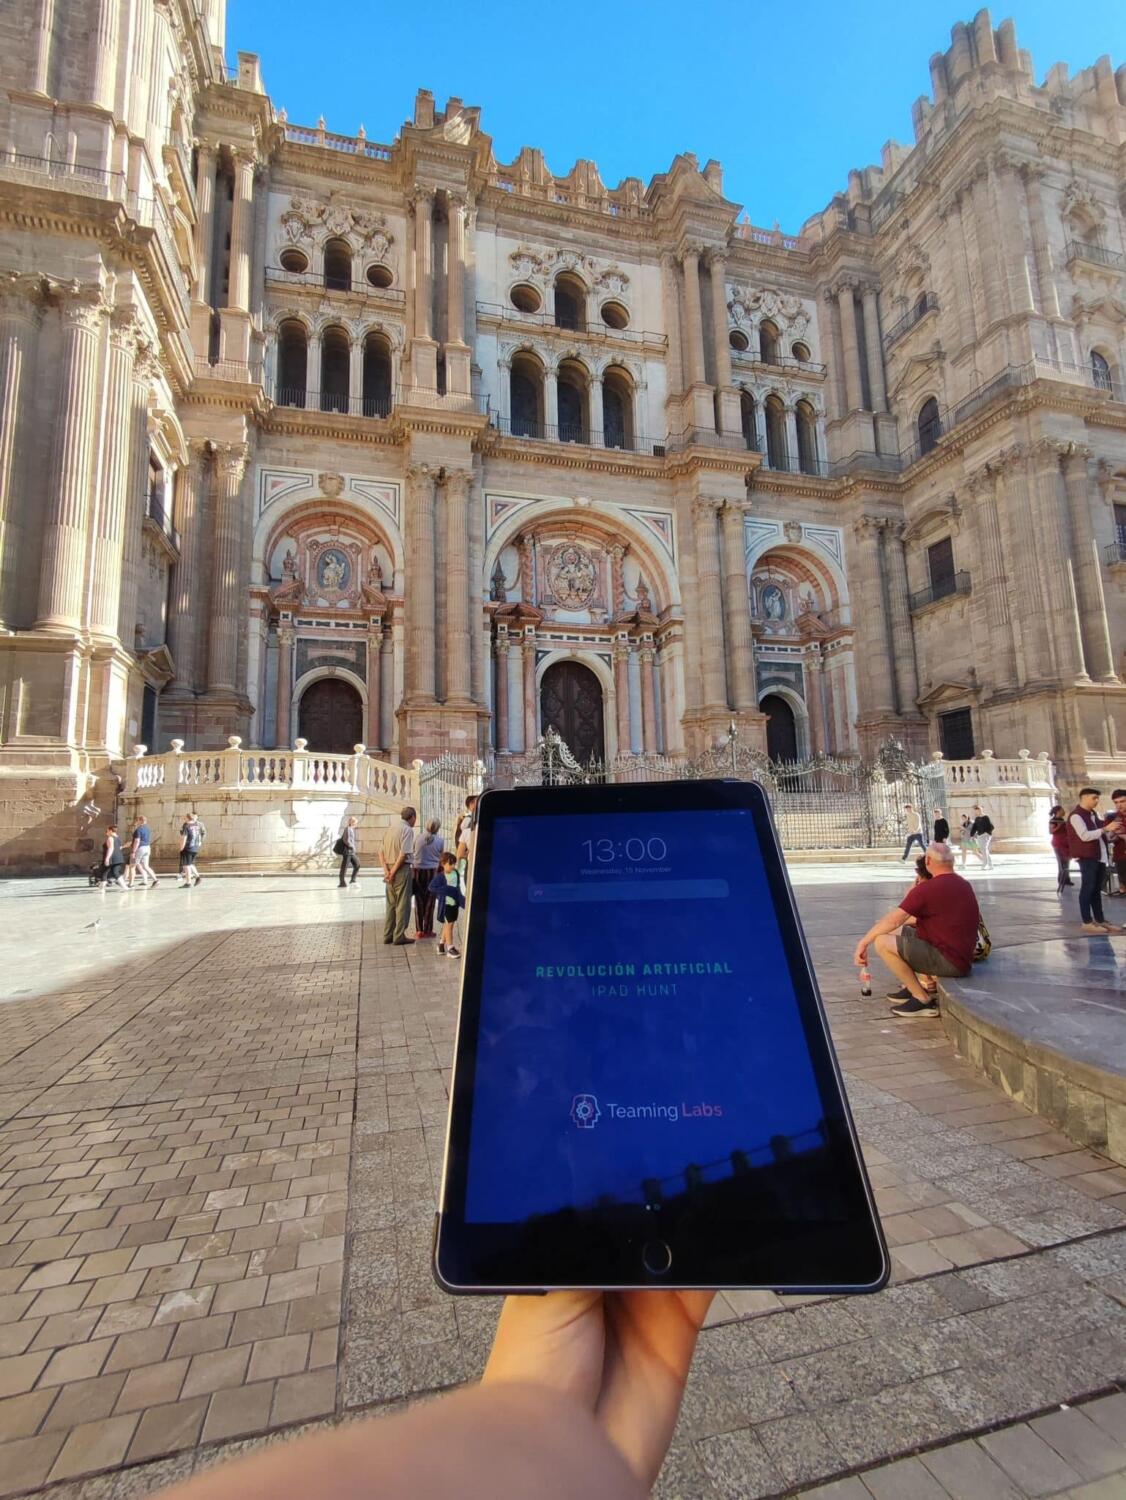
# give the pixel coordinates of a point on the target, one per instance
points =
(614, 315)
(801, 353)
(738, 340)
(294, 260)
(526, 299)
(379, 276)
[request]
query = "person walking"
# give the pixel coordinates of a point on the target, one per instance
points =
(113, 860)
(981, 832)
(139, 852)
(914, 826)
(941, 827)
(1086, 835)
(350, 851)
(1057, 832)
(191, 842)
(447, 889)
(395, 855)
(428, 849)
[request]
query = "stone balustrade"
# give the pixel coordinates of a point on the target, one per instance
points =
(299, 769)
(1016, 793)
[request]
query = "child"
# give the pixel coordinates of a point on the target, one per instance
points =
(446, 888)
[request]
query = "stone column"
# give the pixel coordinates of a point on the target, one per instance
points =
(529, 689)
(374, 729)
(44, 36)
(455, 270)
(705, 512)
(1097, 650)
(500, 696)
(420, 588)
(818, 741)
(21, 312)
(792, 454)
(1025, 552)
(205, 219)
(827, 327)
(145, 371)
(672, 323)
(1054, 546)
(999, 668)
(1041, 243)
(875, 349)
(183, 605)
(873, 616)
(986, 226)
(550, 400)
(621, 695)
(903, 637)
(951, 211)
(740, 643)
(226, 585)
(1010, 234)
(242, 230)
(717, 265)
(62, 574)
(850, 346)
(103, 54)
(693, 318)
(422, 200)
(286, 638)
(457, 587)
(760, 428)
(648, 701)
(112, 492)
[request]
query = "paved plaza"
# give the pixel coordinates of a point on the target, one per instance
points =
(223, 1114)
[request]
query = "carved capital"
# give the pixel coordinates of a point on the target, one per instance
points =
(287, 635)
(126, 330)
(1048, 451)
(83, 305)
(846, 285)
(419, 196)
(458, 482)
(868, 526)
(706, 507)
(1011, 458)
(690, 250)
(22, 296)
(230, 463)
(1076, 457)
(416, 473)
(458, 201)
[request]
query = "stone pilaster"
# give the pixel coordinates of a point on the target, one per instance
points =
(1054, 547)
(62, 576)
(183, 609)
(740, 643)
(419, 681)
(424, 351)
(21, 313)
(985, 217)
(902, 635)
(44, 37)
(374, 729)
(874, 348)
(103, 53)
(850, 345)
(957, 239)
(529, 650)
(1097, 650)
(705, 514)
(621, 694)
(145, 370)
(457, 589)
(242, 230)
(113, 483)
(1025, 552)
(871, 596)
(500, 696)
(1041, 244)
(672, 322)
(648, 699)
(457, 351)
(998, 668)
(287, 637)
(205, 219)
(729, 411)
(226, 587)
(1011, 234)
(693, 316)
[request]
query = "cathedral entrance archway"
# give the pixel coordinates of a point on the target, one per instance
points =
(331, 716)
(571, 702)
(781, 728)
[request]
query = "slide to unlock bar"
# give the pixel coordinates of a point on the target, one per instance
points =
(627, 890)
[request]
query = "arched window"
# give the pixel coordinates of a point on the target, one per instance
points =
(570, 301)
(1100, 371)
(574, 421)
(336, 357)
(768, 342)
(929, 424)
(377, 376)
(338, 265)
(747, 420)
(293, 357)
(776, 457)
(617, 409)
(807, 437)
(526, 396)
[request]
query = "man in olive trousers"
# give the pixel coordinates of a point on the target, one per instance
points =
(395, 854)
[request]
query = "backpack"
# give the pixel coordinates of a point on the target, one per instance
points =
(340, 846)
(984, 941)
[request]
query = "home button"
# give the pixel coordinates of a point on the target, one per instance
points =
(656, 1257)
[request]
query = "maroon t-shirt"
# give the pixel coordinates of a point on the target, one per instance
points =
(946, 916)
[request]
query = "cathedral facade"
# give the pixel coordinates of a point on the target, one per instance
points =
(307, 436)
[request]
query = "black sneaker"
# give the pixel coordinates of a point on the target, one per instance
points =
(915, 1010)
(453, 952)
(441, 947)
(404, 942)
(900, 994)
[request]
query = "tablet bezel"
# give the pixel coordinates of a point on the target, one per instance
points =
(461, 1248)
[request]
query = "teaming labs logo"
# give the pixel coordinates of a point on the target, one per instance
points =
(585, 1111)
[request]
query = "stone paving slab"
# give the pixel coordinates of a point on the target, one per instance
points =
(218, 1171)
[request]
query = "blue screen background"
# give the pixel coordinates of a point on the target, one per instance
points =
(664, 1047)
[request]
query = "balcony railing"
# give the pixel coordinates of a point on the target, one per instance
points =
(229, 369)
(161, 518)
(317, 279)
(943, 588)
(1097, 255)
(927, 303)
(546, 320)
(380, 404)
(577, 432)
(92, 181)
(1116, 552)
(778, 361)
(354, 145)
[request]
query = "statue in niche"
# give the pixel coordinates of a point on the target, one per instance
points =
(644, 602)
(773, 602)
(290, 586)
(498, 590)
(571, 576)
(806, 601)
(332, 571)
(372, 590)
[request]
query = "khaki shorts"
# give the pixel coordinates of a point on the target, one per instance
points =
(924, 957)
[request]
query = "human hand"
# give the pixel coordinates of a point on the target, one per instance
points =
(623, 1356)
(860, 957)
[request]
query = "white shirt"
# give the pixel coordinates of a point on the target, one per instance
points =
(1089, 835)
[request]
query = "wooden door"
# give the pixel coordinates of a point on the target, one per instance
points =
(571, 703)
(331, 716)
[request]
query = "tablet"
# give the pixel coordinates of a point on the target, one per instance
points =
(645, 1093)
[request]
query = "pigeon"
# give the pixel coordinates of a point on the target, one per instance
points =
(93, 926)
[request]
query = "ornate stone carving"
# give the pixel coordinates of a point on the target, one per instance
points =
(1079, 202)
(498, 589)
(331, 485)
(792, 531)
(571, 576)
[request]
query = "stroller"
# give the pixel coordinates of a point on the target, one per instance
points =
(97, 873)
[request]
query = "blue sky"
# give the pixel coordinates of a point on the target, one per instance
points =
(788, 97)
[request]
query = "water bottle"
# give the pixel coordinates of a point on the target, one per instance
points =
(866, 983)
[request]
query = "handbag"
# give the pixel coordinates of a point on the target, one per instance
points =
(984, 941)
(339, 847)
